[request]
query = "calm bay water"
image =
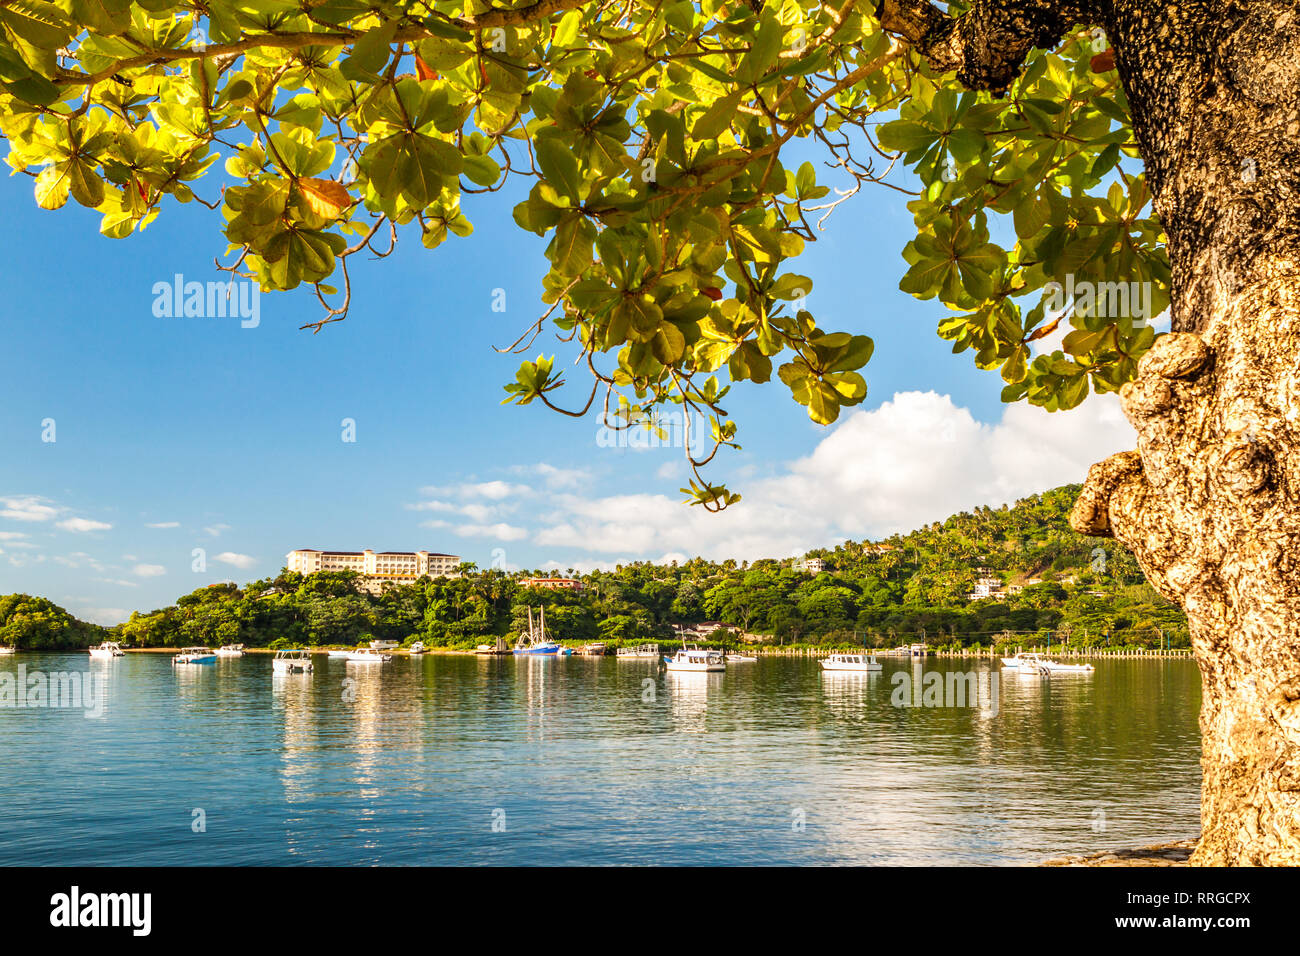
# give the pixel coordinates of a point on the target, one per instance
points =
(465, 760)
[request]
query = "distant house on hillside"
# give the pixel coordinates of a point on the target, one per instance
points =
(812, 565)
(987, 586)
(554, 584)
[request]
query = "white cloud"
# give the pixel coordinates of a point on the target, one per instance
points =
(500, 531)
(11, 535)
(911, 461)
(164, 524)
(81, 525)
(148, 570)
(433, 506)
(27, 508)
(241, 561)
(216, 529)
(492, 490)
(554, 477)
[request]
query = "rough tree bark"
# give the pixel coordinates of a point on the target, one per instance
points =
(1210, 500)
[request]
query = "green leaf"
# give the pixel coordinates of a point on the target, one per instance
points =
(370, 53)
(560, 167)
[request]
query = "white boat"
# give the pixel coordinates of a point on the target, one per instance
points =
(851, 662)
(339, 653)
(292, 661)
(195, 655)
(383, 645)
(368, 655)
(1037, 663)
(417, 647)
(691, 658)
(641, 652)
(740, 659)
(6, 650)
(230, 650)
(107, 651)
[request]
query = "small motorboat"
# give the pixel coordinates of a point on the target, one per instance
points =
(195, 655)
(230, 650)
(691, 658)
(597, 649)
(417, 647)
(295, 660)
(383, 645)
(368, 655)
(851, 662)
(1032, 663)
(339, 653)
(7, 649)
(107, 651)
(740, 659)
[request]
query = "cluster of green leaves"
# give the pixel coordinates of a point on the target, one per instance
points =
(650, 132)
(1051, 157)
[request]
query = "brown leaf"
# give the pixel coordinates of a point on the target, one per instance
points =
(1047, 329)
(1103, 62)
(326, 198)
(423, 70)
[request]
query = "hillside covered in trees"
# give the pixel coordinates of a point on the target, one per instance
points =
(996, 575)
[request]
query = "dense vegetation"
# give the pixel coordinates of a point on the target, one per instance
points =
(38, 624)
(908, 587)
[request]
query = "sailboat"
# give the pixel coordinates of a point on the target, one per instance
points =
(534, 640)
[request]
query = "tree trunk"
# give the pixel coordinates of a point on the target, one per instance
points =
(1210, 501)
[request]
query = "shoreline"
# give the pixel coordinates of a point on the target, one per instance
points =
(1175, 853)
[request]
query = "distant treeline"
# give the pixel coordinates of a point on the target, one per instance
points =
(906, 588)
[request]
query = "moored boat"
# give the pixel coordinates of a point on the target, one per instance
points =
(596, 649)
(1030, 662)
(296, 660)
(230, 650)
(339, 653)
(851, 662)
(107, 651)
(417, 648)
(534, 641)
(368, 655)
(691, 658)
(7, 649)
(740, 659)
(195, 655)
(641, 652)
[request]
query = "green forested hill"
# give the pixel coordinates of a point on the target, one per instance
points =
(38, 624)
(908, 587)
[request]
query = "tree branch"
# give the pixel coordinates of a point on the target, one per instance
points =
(988, 44)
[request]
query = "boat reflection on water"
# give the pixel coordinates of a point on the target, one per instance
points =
(846, 693)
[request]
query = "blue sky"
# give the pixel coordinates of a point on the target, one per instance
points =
(229, 439)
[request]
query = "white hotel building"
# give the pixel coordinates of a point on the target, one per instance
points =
(375, 567)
